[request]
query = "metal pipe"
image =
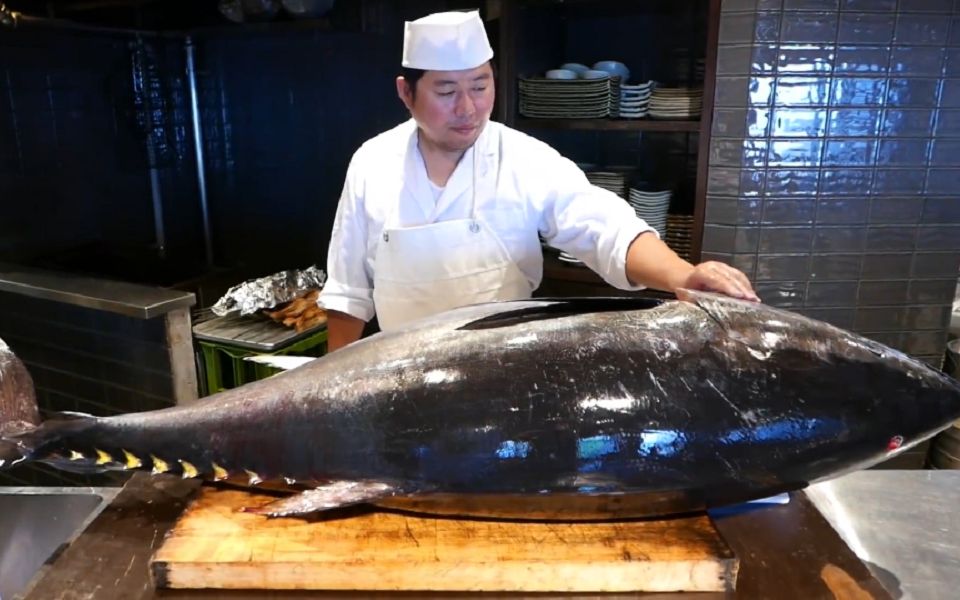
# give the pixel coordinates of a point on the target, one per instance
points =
(142, 77)
(17, 20)
(198, 147)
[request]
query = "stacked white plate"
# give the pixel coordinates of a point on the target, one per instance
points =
(544, 98)
(614, 181)
(652, 207)
(676, 103)
(615, 85)
(635, 100)
(680, 234)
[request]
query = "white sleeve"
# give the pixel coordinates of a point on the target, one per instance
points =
(588, 222)
(349, 285)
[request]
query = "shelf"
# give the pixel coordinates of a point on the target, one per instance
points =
(610, 124)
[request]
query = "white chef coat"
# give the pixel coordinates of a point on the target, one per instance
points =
(524, 188)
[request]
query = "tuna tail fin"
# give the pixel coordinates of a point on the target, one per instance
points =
(18, 405)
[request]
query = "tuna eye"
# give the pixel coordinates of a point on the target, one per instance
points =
(895, 442)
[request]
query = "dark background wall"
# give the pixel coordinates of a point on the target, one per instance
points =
(833, 168)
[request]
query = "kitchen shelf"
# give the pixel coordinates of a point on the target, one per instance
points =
(610, 124)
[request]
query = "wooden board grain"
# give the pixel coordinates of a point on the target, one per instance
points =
(214, 545)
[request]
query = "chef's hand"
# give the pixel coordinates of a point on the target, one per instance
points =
(714, 276)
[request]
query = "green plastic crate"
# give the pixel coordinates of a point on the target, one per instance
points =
(224, 367)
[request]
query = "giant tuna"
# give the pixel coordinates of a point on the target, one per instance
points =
(524, 407)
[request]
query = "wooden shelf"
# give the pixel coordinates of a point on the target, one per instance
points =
(610, 124)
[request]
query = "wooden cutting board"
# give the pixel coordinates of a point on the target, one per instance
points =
(214, 545)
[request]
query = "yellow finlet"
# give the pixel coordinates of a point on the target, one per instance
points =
(159, 465)
(254, 478)
(102, 457)
(131, 462)
(189, 470)
(74, 455)
(219, 473)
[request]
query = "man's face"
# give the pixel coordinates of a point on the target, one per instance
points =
(451, 107)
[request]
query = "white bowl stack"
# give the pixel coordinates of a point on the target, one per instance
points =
(680, 234)
(676, 103)
(652, 207)
(613, 181)
(635, 100)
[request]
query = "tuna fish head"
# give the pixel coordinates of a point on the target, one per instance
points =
(884, 400)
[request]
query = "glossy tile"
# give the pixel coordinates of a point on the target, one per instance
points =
(941, 210)
(917, 61)
(811, 4)
(886, 265)
(924, 342)
(858, 91)
(783, 294)
(809, 26)
(842, 182)
(720, 211)
(899, 181)
(831, 293)
(731, 92)
(891, 238)
(937, 237)
(806, 59)
(827, 267)
(794, 153)
(940, 6)
(767, 28)
(856, 122)
(729, 122)
(790, 267)
(880, 319)
(921, 30)
(838, 317)
(868, 5)
(799, 122)
(788, 211)
(842, 211)
(839, 239)
(927, 317)
(931, 291)
(884, 211)
(910, 123)
(948, 124)
(760, 90)
(945, 153)
(734, 60)
(866, 28)
(943, 181)
(849, 152)
(862, 59)
(913, 93)
(791, 182)
(746, 239)
(873, 293)
(927, 265)
(950, 93)
(902, 152)
(718, 238)
(784, 239)
(737, 27)
(764, 58)
(802, 91)
(758, 122)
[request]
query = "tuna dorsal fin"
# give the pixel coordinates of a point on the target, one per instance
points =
(554, 308)
(336, 494)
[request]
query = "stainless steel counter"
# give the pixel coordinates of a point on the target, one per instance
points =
(130, 299)
(905, 525)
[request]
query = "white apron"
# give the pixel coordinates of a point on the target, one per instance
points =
(423, 270)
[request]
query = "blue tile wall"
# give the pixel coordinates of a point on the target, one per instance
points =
(833, 177)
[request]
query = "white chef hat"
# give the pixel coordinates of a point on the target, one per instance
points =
(446, 41)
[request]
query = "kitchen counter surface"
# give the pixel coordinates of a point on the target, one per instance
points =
(130, 299)
(902, 523)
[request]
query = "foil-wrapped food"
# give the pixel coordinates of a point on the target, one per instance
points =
(288, 297)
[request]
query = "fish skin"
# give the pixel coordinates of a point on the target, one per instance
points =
(677, 405)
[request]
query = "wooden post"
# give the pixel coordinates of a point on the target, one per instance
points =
(183, 366)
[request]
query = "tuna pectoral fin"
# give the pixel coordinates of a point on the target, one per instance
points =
(336, 494)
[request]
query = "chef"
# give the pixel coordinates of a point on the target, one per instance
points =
(447, 208)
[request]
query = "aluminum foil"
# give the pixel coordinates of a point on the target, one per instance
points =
(267, 292)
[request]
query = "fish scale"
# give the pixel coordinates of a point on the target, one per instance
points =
(678, 405)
